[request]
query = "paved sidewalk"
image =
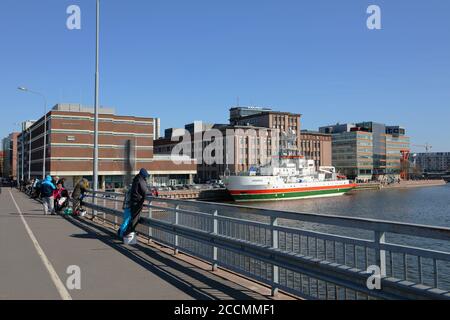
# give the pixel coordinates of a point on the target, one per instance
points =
(109, 270)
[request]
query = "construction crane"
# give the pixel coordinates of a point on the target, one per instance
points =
(404, 161)
(426, 146)
(404, 164)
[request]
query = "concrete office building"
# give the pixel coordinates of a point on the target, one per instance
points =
(157, 128)
(26, 125)
(433, 161)
(368, 150)
(316, 146)
(70, 143)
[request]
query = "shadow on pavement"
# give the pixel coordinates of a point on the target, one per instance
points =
(167, 268)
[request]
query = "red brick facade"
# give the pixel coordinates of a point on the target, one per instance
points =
(70, 145)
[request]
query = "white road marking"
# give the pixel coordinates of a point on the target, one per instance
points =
(53, 275)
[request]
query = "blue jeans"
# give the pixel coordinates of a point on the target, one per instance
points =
(48, 203)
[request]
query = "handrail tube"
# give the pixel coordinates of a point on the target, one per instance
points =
(416, 230)
(345, 277)
(294, 262)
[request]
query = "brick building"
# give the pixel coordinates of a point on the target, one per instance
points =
(316, 146)
(70, 145)
(10, 156)
(287, 123)
(252, 146)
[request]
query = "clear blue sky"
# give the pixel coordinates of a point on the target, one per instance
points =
(188, 60)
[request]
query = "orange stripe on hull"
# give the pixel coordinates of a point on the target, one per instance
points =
(344, 186)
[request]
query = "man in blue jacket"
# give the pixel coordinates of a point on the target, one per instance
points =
(47, 188)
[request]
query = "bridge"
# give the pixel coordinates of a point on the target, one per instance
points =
(36, 252)
(191, 250)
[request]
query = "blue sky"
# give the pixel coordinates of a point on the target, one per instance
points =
(190, 60)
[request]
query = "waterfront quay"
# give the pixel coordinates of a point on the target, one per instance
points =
(402, 184)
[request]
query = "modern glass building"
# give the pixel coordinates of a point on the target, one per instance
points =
(353, 154)
(378, 131)
(395, 144)
(368, 150)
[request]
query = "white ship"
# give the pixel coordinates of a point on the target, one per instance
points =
(293, 178)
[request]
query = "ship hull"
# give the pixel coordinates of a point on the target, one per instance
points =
(243, 189)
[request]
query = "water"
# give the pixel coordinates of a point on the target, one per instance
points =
(424, 205)
(428, 205)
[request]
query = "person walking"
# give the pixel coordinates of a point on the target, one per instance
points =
(137, 195)
(47, 188)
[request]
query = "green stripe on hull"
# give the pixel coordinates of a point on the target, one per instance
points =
(288, 195)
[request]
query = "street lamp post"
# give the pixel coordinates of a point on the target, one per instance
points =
(44, 158)
(95, 164)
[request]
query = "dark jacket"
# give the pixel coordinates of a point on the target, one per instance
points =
(138, 192)
(80, 188)
(47, 188)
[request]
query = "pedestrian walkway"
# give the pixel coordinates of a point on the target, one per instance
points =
(36, 252)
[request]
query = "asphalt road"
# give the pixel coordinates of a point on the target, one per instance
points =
(36, 252)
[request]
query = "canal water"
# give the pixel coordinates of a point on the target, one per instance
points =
(423, 205)
(428, 205)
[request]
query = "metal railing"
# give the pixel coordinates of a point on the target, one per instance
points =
(313, 256)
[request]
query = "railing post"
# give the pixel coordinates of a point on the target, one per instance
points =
(115, 217)
(275, 269)
(92, 202)
(104, 205)
(215, 232)
(380, 255)
(175, 251)
(150, 216)
(94, 212)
